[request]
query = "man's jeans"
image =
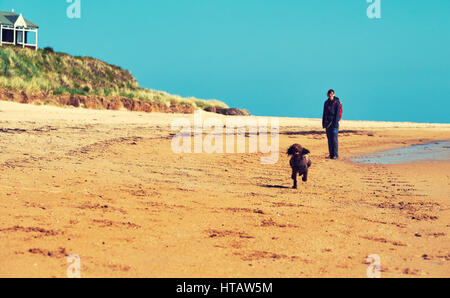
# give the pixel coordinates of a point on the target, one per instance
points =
(333, 145)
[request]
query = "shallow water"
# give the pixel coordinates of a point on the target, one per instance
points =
(432, 151)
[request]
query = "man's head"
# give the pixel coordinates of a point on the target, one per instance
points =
(330, 94)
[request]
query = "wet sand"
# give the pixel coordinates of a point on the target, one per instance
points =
(105, 185)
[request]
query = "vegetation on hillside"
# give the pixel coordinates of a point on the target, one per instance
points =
(59, 73)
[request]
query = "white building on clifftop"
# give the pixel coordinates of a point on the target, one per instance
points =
(16, 30)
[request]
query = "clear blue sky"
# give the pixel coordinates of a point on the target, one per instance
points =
(274, 58)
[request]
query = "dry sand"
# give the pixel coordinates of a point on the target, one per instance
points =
(106, 186)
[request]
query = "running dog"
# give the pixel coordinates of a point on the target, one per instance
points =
(300, 162)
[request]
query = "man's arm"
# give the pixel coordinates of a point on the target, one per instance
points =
(337, 113)
(323, 117)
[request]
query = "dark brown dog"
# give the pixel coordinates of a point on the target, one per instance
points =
(300, 162)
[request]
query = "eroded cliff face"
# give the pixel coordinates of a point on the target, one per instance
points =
(228, 111)
(95, 102)
(110, 103)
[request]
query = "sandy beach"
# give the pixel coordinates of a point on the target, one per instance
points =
(106, 186)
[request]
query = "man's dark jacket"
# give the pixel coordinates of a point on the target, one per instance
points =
(331, 113)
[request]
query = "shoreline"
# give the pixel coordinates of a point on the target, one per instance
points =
(362, 121)
(12, 106)
(399, 148)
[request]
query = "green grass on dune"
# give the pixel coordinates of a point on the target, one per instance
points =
(60, 73)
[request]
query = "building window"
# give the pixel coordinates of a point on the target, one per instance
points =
(19, 36)
(30, 37)
(8, 35)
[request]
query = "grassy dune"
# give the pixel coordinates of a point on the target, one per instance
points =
(48, 72)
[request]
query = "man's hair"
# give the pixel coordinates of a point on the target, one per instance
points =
(329, 92)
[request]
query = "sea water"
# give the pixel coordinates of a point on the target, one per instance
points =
(432, 151)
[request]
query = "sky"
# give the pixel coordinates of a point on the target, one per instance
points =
(274, 58)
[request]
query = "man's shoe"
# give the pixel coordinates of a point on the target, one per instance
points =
(335, 157)
(329, 157)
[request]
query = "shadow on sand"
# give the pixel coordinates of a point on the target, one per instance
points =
(318, 132)
(276, 186)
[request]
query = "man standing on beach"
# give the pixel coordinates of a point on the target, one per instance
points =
(332, 113)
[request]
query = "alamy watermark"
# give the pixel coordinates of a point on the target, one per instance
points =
(74, 9)
(374, 269)
(74, 269)
(374, 9)
(228, 137)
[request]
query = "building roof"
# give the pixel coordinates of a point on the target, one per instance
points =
(10, 18)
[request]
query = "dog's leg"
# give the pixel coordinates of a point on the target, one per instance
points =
(294, 177)
(305, 173)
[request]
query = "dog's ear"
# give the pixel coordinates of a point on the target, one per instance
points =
(290, 151)
(305, 151)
